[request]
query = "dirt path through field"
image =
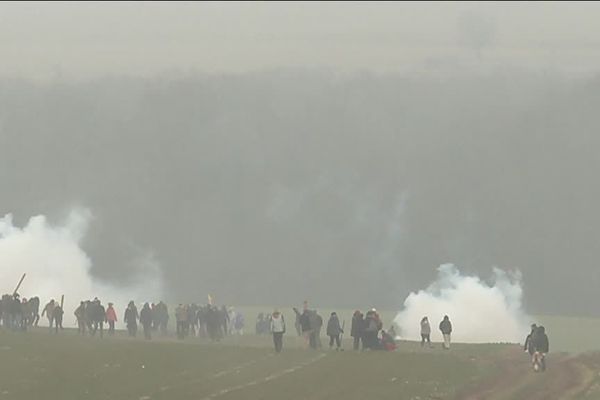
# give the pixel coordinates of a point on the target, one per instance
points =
(567, 377)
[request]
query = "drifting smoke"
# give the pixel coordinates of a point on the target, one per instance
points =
(55, 264)
(480, 313)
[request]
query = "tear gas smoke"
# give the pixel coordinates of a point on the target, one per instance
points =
(55, 264)
(479, 312)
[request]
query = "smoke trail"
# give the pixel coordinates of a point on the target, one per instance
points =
(55, 264)
(480, 313)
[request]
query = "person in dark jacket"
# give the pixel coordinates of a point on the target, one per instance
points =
(304, 320)
(541, 344)
(528, 347)
(162, 313)
(146, 321)
(130, 318)
(57, 315)
(372, 326)
(98, 316)
(446, 329)
(540, 340)
(357, 329)
(334, 330)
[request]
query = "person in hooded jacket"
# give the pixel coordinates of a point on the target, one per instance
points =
(446, 329)
(146, 321)
(277, 329)
(334, 330)
(357, 329)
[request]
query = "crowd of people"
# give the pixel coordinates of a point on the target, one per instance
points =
(210, 321)
(366, 329)
(18, 313)
(92, 317)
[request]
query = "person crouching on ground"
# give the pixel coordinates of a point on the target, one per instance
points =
(278, 329)
(446, 328)
(334, 330)
(388, 341)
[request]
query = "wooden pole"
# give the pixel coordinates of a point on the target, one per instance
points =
(19, 285)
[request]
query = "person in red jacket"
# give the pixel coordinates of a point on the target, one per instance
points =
(111, 318)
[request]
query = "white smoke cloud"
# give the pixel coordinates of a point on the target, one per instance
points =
(479, 312)
(55, 264)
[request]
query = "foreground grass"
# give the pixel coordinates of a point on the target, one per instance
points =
(38, 365)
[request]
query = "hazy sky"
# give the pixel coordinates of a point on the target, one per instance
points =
(89, 39)
(454, 132)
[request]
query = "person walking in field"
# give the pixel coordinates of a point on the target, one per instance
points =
(305, 326)
(334, 330)
(80, 316)
(357, 329)
(529, 347)
(446, 329)
(48, 311)
(318, 323)
(98, 317)
(181, 315)
(425, 332)
(146, 321)
(131, 316)
(57, 316)
(111, 318)
(277, 329)
(541, 346)
(162, 313)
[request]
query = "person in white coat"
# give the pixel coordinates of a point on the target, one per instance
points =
(278, 329)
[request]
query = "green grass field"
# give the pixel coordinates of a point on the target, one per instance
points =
(39, 365)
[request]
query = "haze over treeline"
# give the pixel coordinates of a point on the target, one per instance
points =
(276, 186)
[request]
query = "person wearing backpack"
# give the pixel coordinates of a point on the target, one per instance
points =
(277, 329)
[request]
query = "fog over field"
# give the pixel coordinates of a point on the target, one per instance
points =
(271, 153)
